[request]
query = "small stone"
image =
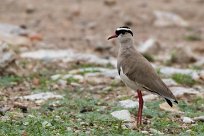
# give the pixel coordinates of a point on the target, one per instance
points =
(11, 30)
(46, 124)
(189, 131)
(75, 84)
(123, 115)
(41, 96)
(149, 97)
(100, 47)
(154, 131)
(3, 110)
(169, 71)
(62, 83)
(180, 91)
(67, 56)
(108, 88)
(150, 47)
(21, 106)
(187, 120)
(56, 77)
(128, 104)
(79, 77)
(145, 132)
(30, 9)
(75, 10)
(7, 56)
(182, 55)
(164, 19)
(129, 125)
(69, 128)
(169, 82)
(110, 2)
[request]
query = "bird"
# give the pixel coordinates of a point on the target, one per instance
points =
(137, 72)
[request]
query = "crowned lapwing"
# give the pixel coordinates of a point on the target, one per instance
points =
(137, 72)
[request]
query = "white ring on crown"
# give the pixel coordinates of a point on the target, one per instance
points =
(127, 29)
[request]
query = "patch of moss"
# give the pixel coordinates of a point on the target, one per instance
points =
(9, 80)
(183, 79)
(71, 80)
(89, 70)
(192, 37)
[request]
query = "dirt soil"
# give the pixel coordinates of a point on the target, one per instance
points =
(85, 25)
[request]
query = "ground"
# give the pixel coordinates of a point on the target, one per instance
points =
(86, 107)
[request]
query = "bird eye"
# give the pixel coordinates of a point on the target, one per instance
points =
(123, 32)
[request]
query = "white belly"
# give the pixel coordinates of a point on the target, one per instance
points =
(131, 84)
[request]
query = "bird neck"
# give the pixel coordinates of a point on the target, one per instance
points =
(126, 44)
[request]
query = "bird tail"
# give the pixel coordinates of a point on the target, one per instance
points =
(170, 103)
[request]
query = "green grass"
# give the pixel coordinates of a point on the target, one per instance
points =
(85, 112)
(183, 79)
(87, 116)
(192, 37)
(6, 81)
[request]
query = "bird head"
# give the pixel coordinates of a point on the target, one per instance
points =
(122, 33)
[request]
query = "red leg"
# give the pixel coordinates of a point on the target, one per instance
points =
(139, 114)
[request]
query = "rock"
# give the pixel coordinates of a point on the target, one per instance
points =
(180, 91)
(169, 71)
(112, 73)
(150, 47)
(154, 131)
(149, 97)
(62, 82)
(97, 71)
(15, 40)
(164, 19)
(109, 2)
(46, 124)
(201, 75)
(187, 120)
(3, 110)
(169, 82)
(128, 104)
(22, 106)
(189, 131)
(41, 96)
(144, 132)
(98, 80)
(129, 125)
(123, 115)
(182, 55)
(30, 9)
(101, 47)
(165, 106)
(75, 10)
(77, 77)
(9, 29)
(8, 60)
(67, 56)
(7, 55)
(14, 35)
(200, 118)
(56, 77)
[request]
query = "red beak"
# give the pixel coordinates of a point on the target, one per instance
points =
(113, 36)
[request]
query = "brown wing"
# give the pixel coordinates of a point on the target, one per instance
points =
(138, 69)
